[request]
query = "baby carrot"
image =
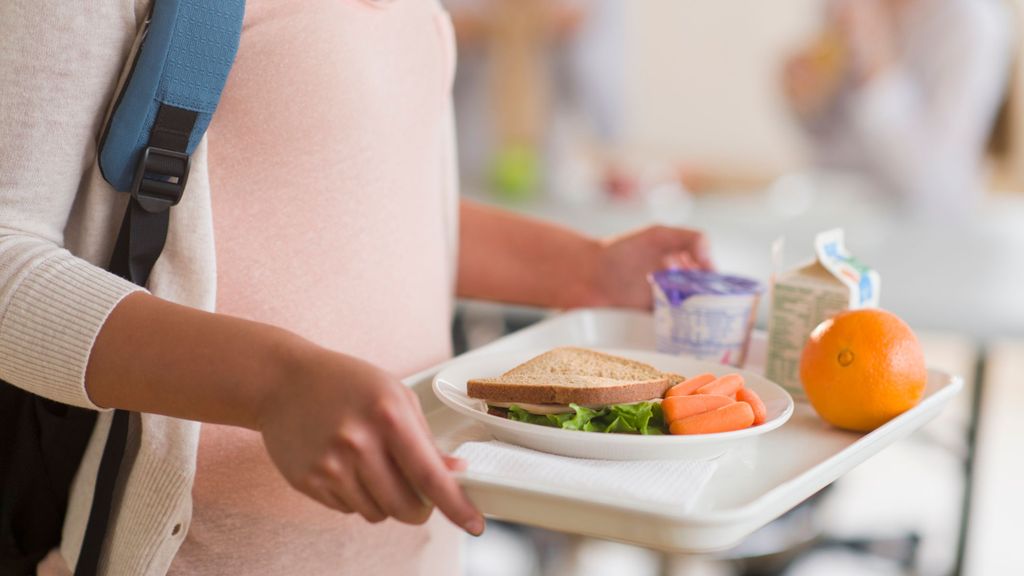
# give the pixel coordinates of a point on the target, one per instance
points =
(750, 397)
(679, 407)
(690, 384)
(735, 416)
(724, 386)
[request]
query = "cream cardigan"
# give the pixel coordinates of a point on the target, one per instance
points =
(58, 71)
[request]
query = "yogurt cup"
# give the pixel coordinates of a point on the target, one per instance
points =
(705, 315)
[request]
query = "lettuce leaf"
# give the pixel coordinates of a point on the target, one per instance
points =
(638, 418)
(519, 415)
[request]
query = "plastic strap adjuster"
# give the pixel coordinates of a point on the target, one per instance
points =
(160, 178)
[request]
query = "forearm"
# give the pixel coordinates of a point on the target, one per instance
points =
(342, 431)
(159, 357)
(514, 259)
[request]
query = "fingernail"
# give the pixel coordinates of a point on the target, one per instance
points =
(475, 526)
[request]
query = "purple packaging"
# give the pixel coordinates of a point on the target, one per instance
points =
(705, 315)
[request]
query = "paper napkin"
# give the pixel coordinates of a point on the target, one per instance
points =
(675, 483)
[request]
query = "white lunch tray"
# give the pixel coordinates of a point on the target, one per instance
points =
(752, 486)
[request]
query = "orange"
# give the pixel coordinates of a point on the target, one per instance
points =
(862, 368)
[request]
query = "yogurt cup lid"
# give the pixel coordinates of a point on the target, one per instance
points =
(678, 285)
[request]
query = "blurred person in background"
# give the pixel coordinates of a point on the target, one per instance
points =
(905, 93)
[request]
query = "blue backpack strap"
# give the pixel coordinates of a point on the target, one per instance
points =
(166, 104)
(160, 116)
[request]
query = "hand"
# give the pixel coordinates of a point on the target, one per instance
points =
(354, 438)
(623, 263)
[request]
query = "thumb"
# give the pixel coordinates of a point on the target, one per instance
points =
(693, 243)
(454, 463)
(678, 260)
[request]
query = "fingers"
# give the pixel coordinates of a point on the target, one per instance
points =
(678, 260)
(701, 252)
(390, 491)
(425, 469)
(386, 466)
(421, 418)
(371, 485)
(454, 464)
(320, 492)
(343, 491)
(691, 246)
(355, 493)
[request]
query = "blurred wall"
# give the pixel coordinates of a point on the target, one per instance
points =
(703, 80)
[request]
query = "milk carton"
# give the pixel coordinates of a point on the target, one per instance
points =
(804, 297)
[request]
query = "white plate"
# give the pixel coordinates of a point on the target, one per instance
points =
(450, 387)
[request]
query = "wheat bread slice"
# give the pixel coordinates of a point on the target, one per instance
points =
(570, 374)
(673, 378)
(565, 388)
(583, 362)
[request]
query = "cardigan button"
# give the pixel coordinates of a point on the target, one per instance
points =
(176, 529)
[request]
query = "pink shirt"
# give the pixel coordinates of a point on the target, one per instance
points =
(331, 203)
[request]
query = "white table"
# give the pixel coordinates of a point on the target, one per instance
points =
(998, 505)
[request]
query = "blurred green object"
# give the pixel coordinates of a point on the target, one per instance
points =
(515, 174)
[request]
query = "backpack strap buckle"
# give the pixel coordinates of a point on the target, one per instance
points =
(160, 178)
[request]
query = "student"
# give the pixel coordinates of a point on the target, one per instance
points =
(320, 221)
(906, 92)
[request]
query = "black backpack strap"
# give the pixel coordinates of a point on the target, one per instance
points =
(159, 183)
(176, 80)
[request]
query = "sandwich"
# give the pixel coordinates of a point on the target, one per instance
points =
(579, 389)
